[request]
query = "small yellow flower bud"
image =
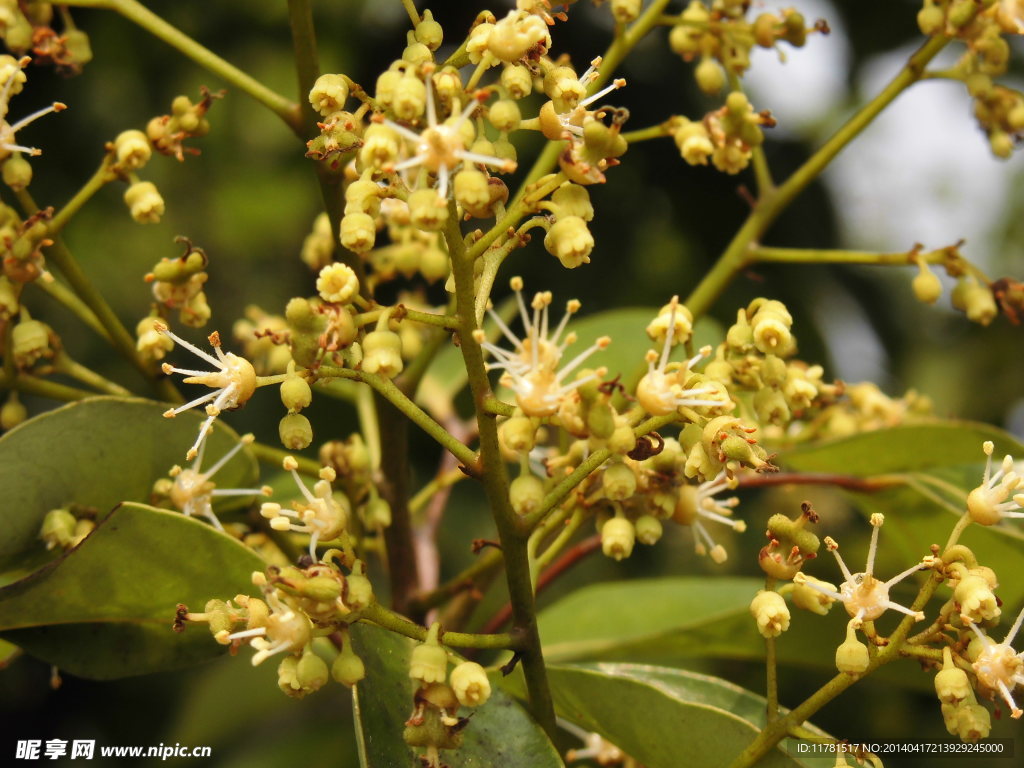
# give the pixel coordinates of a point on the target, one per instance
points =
(526, 493)
(505, 115)
(515, 35)
(13, 412)
(951, 683)
(358, 232)
(618, 482)
(311, 672)
(132, 150)
(973, 721)
(328, 94)
(58, 528)
(295, 432)
(573, 200)
(427, 210)
(471, 192)
(570, 241)
(518, 434)
(358, 591)
(926, 284)
(811, 599)
(144, 202)
(348, 669)
(382, 353)
(648, 529)
(852, 655)
(931, 20)
(470, 683)
(380, 145)
(517, 80)
(626, 11)
(771, 613)
(617, 538)
(710, 76)
(296, 393)
(429, 32)
(429, 662)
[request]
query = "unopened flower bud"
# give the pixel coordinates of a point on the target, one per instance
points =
(382, 353)
(951, 683)
(926, 284)
(296, 393)
(504, 115)
(852, 655)
(429, 662)
(570, 241)
(771, 613)
(710, 76)
(295, 432)
(132, 149)
(518, 434)
(517, 80)
(470, 683)
(617, 538)
(58, 528)
(328, 94)
(358, 232)
(17, 172)
(144, 202)
(618, 482)
(626, 11)
(311, 672)
(648, 529)
(13, 412)
(427, 210)
(348, 669)
(526, 493)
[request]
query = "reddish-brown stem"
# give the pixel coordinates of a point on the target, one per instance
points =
(569, 558)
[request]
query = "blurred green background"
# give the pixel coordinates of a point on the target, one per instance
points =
(250, 198)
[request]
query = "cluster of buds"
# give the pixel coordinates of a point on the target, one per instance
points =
(28, 28)
(264, 340)
(983, 27)
(22, 242)
(721, 36)
(167, 133)
(178, 285)
(727, 135)
(434, 723)
(298, 606)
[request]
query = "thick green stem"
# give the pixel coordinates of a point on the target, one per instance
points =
(63, 295)
(59, 256)
(495, 481)
(31, 385)
(738, 254)
(65, 365)
(307, 65)
(397, 623)
(96, 182)
(204, 57)
(396, 397)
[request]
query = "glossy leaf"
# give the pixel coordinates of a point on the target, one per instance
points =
(939, 463)
(105, 608)
(499, 733)
(674, 621)
(96, 453)
(665, 717)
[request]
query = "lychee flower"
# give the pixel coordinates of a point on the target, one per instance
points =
(572, 119)
(999, 667)
(698, 501)
(233, 382)
(662, 389)
(441, 147)
(987, 504)
(286, 629)
(193, 491)
(13, 80)
(531, 369)
(322, 515)
(864, 596)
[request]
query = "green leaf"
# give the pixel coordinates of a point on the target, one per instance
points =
(105, 608)
(499, 732)
(97, 453)
(906, 448)
(940, 463)
(673, 621)
(665, 717)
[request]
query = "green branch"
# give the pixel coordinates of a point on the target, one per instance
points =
(32, 385)
(204, 57)
(738, 254)
(495, 481)
(398, 624)
(96, 182)
(59, 255)
(390, 392)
